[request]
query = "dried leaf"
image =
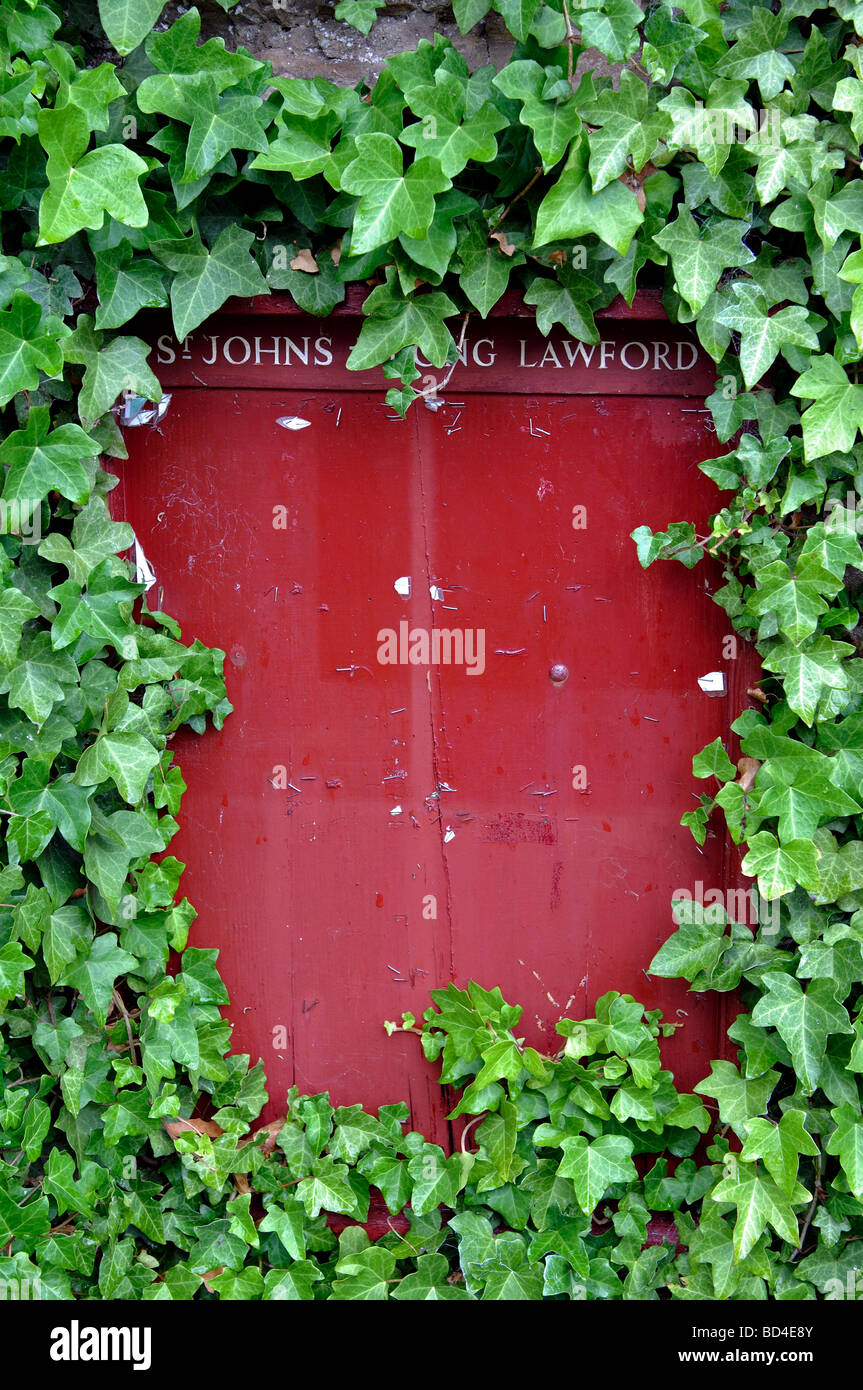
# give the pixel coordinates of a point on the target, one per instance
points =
(272, 1130)
(178, 1127)
(503, 242)
(748, 768)
(304, 260)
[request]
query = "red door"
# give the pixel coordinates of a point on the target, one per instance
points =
(464, 716)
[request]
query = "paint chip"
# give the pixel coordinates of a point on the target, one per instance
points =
(713, 683)
(293, 422)
(437, 592)
(144, 573)
(402, 586)
(137, 410)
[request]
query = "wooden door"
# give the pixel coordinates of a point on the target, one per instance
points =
(464, 716)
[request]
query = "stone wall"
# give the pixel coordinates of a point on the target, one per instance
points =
(302, 38)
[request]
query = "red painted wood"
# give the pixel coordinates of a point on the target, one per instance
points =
(432, 831)
(503, 357)
(647, 304)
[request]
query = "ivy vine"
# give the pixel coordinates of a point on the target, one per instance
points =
(722, 163)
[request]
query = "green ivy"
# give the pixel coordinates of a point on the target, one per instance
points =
(723, 165)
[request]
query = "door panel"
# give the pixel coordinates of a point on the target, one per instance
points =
(361, 832)
(563, 890)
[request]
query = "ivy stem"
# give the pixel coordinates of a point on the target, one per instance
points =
(811, 1212)
(511, 205)
(570, 40)
(124, 1011)
(440, 385)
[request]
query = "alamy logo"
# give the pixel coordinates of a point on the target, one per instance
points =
(440, 646)
(21, 517)
(77, 1343)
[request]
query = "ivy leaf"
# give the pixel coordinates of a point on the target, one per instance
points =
(15, 610)
(29, 344)
(759, 1203)
(620, 139)
(470, 12)
(613, 28)
(316, 293)
(367, 1275)
(40, 679)
(429, 1282)
(699, 255)
(437, 1180)
(779, 1146)
(810, 672)
(128, 22)
(484, 277)
(95, 537)
(832, 423)
(803, 1021)
(93, 975)
(391, 201)
(713, 761)
(571, 209)
(394, 322)
(66, 805)
(102, 610)
(709, 127)
(329, 1189)
(294, 1284)
(93, 91)
(360, 14)
(13, 966)
(302, 146)
(555, 124)
(205, 279)
(696, 946)
(219, 122)
(801, 813)
(453, 145)
(739, 1098)
(846, 1142)
(848, 96)
(41, 460)
(522, 1284)
(126, 283)
(764, 335)
(176, 50)
(121, 366)
(780, 867)
(565, 300)
(593, 1167)
(795, 597)
(123, 758)
(82, 187)
(757, 55)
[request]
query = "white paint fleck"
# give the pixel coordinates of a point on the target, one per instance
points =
(402, 586)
